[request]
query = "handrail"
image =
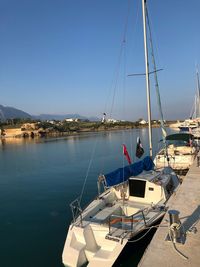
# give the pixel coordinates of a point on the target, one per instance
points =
(123, 218)
(76, 209)
(143, 217)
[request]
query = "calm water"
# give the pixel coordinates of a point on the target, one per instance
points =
(38, 180)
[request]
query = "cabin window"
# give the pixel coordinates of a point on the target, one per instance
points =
(151, 189)
(137, 188)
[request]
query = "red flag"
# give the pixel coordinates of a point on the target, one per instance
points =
(125, 152)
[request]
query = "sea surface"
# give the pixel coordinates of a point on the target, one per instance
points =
(39, 178)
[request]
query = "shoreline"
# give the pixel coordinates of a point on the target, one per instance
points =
(43, 131)
(53, 136)
(62, 135)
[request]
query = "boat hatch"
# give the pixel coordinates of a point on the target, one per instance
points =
(137, 188)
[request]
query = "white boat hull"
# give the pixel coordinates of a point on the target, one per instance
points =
(175, 162)
(177, 157)
(88, 245)
(98, 235)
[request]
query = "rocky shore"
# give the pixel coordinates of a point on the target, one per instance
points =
(33, 130)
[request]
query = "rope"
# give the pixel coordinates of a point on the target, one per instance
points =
(175, 248)
(88, 170)
(136, 240)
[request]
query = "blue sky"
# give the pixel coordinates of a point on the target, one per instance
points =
(60, 56)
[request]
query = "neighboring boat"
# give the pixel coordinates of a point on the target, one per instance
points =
(180, 149)
(192, 125)
(196, 133)
(188, 125)
(179, 152)
(134, 199)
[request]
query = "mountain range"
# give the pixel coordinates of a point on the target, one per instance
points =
(64, 116)
(11, 113)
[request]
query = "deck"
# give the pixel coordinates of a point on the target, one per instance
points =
(187, 201)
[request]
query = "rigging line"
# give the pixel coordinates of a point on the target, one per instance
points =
(123, 101)
(192, 112)
(131, 144)
(195, 106)
(88, 169)
(124, 90)
(120, 56)
(124, 83)
(135, 22)
(156, 78)
(198, 94)
(124, 111)
(156, 43)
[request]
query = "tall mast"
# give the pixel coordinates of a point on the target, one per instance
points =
(147, 76)
(198, 97)
(195, 108)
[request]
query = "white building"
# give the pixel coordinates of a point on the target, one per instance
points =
(112, 120)
(71, 120)
(142, 122)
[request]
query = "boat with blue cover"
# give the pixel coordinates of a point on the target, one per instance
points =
(134, 199)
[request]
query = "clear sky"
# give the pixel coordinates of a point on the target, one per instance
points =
(61, 56)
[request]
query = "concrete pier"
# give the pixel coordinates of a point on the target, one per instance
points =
(187, 201)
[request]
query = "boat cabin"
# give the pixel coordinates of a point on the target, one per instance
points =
(148, 187)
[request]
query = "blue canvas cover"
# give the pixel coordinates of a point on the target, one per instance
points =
(122, 174)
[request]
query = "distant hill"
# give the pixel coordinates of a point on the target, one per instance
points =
(58, 117)
(62, 117)
(11, 113)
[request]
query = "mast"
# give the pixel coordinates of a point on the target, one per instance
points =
(147, 76)
(195, 108)
(198, 97)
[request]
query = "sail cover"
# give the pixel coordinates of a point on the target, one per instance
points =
(180, 136)
(122, 174)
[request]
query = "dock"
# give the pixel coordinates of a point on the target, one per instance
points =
(163, 252)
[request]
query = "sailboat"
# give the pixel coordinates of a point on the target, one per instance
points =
(179, 153)
(181, 148)
(187, 125)
(196, 116)
(134, 198)
(192, 124)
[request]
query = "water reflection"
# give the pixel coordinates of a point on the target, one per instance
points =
(40, 177)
